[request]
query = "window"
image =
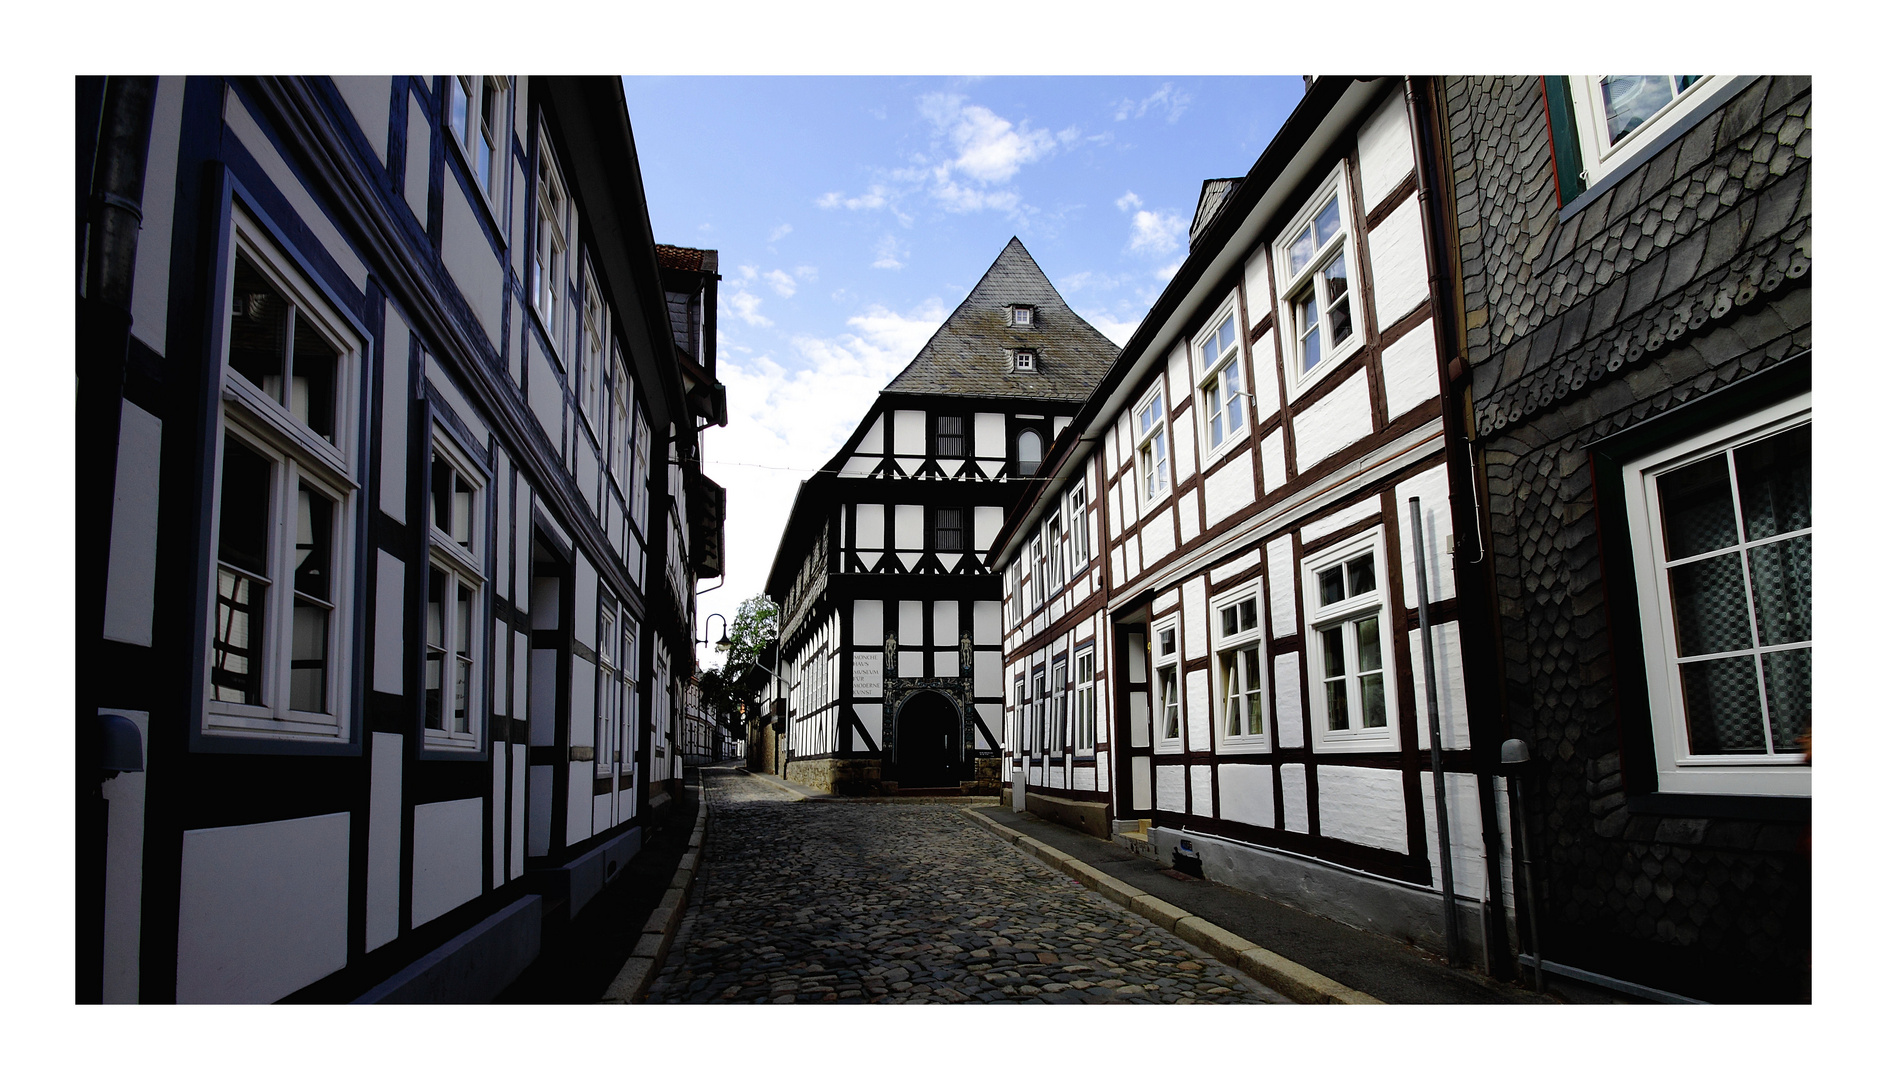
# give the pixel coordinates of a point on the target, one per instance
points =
(1021, 315)
(1038, 574)
(949, 528)
(1316, 254)
(1617, 114)
(1150, 429)
(1353, 699)
(1018, 715)
(475, 111)
(1015, 593)
(547, 266)
(1221, 381)
(1038, 735)
(1238, 666)
(949, 437)
(1058, 731)
(278, 666)
(619, 433)
(454, 595)
(1024, 360)
(1055, 552)
(595, 320)
(1028, 452)
(608, 688)
(1078, 525)
(1084, 735)
(1165, 647)
(1721, 533)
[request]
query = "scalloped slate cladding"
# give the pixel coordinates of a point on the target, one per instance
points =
(967, 356)
(1686, 275)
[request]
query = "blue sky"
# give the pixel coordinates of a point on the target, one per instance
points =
(852, 214)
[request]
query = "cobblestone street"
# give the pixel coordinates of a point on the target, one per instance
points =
(907, 902)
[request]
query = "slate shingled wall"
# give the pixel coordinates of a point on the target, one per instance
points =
(1684, 276)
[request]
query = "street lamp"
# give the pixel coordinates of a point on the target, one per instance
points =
(709, 621)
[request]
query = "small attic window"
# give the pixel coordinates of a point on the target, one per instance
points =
(1024, 360)
(1021, 315)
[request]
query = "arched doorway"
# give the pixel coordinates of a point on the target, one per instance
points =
(930, 741)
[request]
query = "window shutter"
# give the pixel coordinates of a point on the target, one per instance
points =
(1566, 157)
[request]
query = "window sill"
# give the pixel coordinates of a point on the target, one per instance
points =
(1330, 744)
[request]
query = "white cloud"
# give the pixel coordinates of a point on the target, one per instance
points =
(1128, 201)
(782, 282)
(1155, 231)
(1165, 273)
(747, 306)
(779, 233)
(888, 254)
(1117, 331)
(873, 199)
(806, 273)
(1167, 99)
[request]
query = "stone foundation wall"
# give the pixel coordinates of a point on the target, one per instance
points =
(837, 776)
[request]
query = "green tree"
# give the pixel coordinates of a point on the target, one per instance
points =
(739, 679)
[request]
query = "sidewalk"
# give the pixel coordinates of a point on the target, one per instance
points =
(1378, 966)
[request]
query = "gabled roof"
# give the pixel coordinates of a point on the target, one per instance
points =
(969, 355)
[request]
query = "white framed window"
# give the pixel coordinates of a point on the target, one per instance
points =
(1038, 572)
(1028, 452)
(455, 610)
(1163, 643)
(1021, 315)
(476, 115)
(1054, 538)
(608, 688)
(595, 332)
(620, 436)
(1150, 456)
(549, 260)
(1078, 547)
(1616, 114)
(1059, 732)
(639, 472)
(1351, 646)
(1316, 260)
(1224, 404)
(1085, 706)
(283, 521)
(1038, 713)
(1024, 360)
(1018, 715)
(1238, 670)
(1722, 532)
(1015, 594)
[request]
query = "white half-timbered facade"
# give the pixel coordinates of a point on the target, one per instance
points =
(394, 474)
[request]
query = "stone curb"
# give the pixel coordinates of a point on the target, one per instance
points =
(645, 960)
(1287, 977)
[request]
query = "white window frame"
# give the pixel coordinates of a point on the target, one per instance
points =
(1054, 536)
(608, 685)
(1022, 315)
(1153, 471)
(550, 260)
(1598, 154)
(296, 455)
(621, 393)
(1023, 360)
(1060, 697)
(1210, 377)
(1038, 713)
(1080, 550)
(1319, 616)
(1235, 644)
(593, 337)
(1038, 573)
(1040, 454)
(1018, 716)
(1678, 769)
(462, 565)
(1160, 661)
(471, 129)
(1292, 287)
(1086, 708)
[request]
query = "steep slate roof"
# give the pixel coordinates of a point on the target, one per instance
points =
(966, 357)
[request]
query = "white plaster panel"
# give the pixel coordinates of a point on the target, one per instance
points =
(1281, 580)
(909, 559)
(986, 618)
(943, 622)
(1185, 454)
(474, 266)
(907, 433)
(1228, 570)
(1398, 264)
(992, 436)
(871, 525)
(543, 696)
(1385, 155)
(1245, 795)
(448, 866)
(1264, 376)
(520, 668)
(1188, 507)
(908, 531)
(131, 565)
(1200, 777)
(582, 702)
(498, 771)
(310, 212)
(516, 869)
(518, 189)
(395, 402)
(1230, 489)
(1336, 420)
(584, 623)
(1179, 373)
(441, 387)
(389, 626)
(383, 839)
(521, 536)
(858, 465)
(1139, 770)
(1409, 371)
(537, 833)
(1337, 520)
(1288, 710)
(1257, 288)
(1156, 536)
(910, 623)
(1198, 704)
(1437, 526)
(546, 397)
(262, 909)
(1169, 789)
(1193, 624)
(124, 874)
(944, 663)
(602, 811)
(501, 532)
(988, 524)
(1296, 796)
(987, 667)
(1132, 550)
(1061, 422)
(577, 824)
(1464, 834)
(1114, 564)
(419, 155)
(873, 441)
(1363, 806)
(369, 98)
(991, 715)
(150, 283)
(1450, 687)
(1271, 458)
(1084, 778)
(910, 663)
(868, 622)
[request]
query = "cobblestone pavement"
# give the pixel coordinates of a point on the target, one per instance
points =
(907, 902)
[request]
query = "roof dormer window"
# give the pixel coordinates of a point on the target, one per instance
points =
(1021, 315)
(1023, 360)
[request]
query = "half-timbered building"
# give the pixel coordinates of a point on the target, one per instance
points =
(1214, 591)
(889, 627)
(389, 479)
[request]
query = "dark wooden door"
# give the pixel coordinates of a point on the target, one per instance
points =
(930, 752)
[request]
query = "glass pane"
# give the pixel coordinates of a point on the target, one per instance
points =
(1329, 222)
(1235, 412)
(462, 698)
(462, 512)
(1723, 706)
(1301, 250)
(1217, 423)
(1228, 620)
(1375, 711)
(1228, 336)
(1772, 481)
(308, 667)
(1330, 585)
(1229, 696)
(441, 495)
(1337, 704)
(435, 675)
(1248, 613)
(314, 544)
(314, 367)
(459, 102)
(1333, 651)
(1166, 642)
(1313, 349)
(1362, 575)
(242, 536)
(1630, 100)
(1698, 513)
(258, 329)
(233, 674)
(1368, 645)
(436, 586)
(1787, 676)
(1211, 351)
(1340, 320)
(1336, 290)
(1781, 575)
(1709, 606)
